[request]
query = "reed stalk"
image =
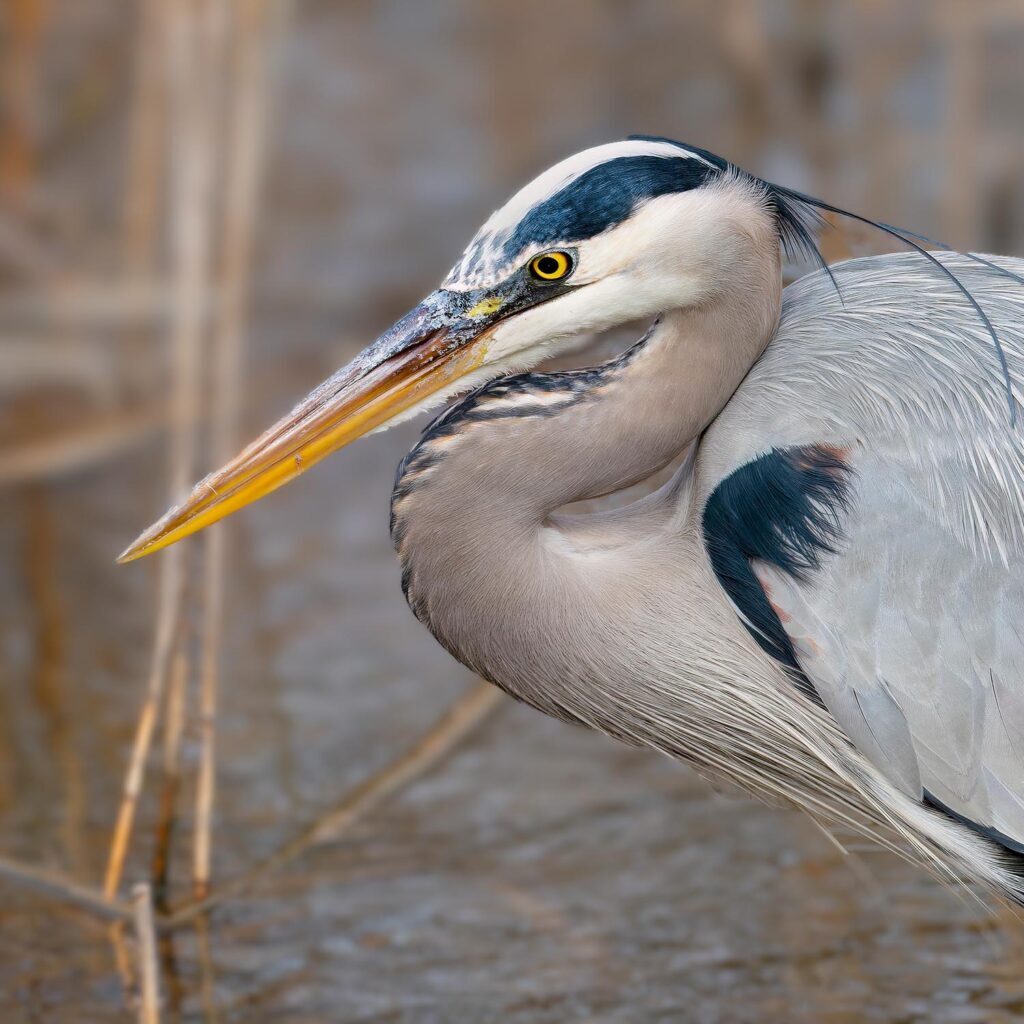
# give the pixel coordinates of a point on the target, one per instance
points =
(146, 948)
(457, 722)
(190, 29)
(246, 129)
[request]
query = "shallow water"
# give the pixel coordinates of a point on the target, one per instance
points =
(540, 874)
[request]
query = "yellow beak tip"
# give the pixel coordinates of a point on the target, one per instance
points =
(130, 554)
(355, 401)
(144, 544)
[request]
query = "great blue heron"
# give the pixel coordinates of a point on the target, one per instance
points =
(824, 605)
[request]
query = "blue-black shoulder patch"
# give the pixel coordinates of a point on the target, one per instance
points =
(605, 196)
(785, 508)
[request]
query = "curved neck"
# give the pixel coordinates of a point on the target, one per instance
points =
(529, 602)
(641, 410)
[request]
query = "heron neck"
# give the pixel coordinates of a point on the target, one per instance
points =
(642, 410)
(519, 594)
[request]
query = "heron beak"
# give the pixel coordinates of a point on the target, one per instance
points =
(440, 341)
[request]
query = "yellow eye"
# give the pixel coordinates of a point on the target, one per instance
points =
(551, 266)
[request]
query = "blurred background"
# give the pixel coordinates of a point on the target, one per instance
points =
(206, 206)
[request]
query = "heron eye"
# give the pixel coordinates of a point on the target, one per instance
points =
(551, 266)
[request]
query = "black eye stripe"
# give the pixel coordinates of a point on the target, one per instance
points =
(605, 195)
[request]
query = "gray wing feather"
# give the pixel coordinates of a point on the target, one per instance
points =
(911, 631)
(904, 635)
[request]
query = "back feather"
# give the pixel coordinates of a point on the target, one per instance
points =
(800, 220)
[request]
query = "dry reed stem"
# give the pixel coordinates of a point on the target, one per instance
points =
(174, 987)
(458, 721)
(174, 722)
(49, 675)
(207, 985)
(145, 944)
(60, 887)
(167, 616)
(246, 121)
(19, 96)
(190, 28)
(85, 303)
(455, 725)
(123, 962)
(213, 603)
(89, 442)
(146, 146)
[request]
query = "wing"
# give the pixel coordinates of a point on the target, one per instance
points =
(884, 565)
(911, 641)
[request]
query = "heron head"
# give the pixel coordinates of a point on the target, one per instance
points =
(613, 234)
